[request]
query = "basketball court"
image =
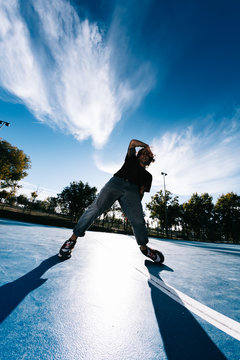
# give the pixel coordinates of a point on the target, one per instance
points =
(109, 302)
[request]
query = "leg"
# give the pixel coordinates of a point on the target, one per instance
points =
(132, 207)
(107, 196)
(130, 202)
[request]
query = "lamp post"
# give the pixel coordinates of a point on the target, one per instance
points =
(164, 186)
(2, 123)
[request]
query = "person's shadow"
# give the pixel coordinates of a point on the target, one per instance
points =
(182, 335)
(13, 293)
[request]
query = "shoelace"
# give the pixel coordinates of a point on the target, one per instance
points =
(151, 254)
(69, 244)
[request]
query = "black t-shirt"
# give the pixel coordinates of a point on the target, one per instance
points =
(134, 172)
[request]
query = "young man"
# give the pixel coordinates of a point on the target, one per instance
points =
(127, 186)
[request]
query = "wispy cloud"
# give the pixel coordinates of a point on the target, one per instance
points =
(205, 161)
(106, 166)
(62, 69)
(43, 193)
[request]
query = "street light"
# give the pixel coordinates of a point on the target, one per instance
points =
(166, 219)
(2, 123)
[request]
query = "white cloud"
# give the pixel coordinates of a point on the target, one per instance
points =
(19, 70)
(63, 72)
(43, 193)
(199, 162)
(103, 165)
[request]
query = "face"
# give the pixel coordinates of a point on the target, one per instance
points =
(144, 158)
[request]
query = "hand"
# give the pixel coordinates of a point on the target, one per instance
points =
(137, 143)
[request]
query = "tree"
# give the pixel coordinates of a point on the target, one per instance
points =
(51, 204)
(227, 211)
(22, 200)
(112, 211)
(198, 215)
(75, 198)
(11, 200)
(158, 205)
(13, 165)
(8, 197)
(34, 196)
(3, 195)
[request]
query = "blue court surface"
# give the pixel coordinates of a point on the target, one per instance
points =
(109, 302)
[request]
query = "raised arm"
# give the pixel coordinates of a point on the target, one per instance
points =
(137, 143)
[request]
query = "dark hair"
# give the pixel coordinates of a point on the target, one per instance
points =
(151, 158)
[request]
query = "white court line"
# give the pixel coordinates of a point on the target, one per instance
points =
(220, 321)
(227, 251)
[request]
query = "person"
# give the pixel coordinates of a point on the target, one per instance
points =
(127, 186)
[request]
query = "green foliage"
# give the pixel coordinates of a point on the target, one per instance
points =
(51, 204)
(198, 215)
(13, 165)
(8, 197)
(75, 198)
(34, 196)
(3, 195)
(22, 200)
(11, 200)
(157, 208)
(227, 210)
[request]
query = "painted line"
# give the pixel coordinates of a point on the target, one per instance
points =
(220, 321)
(227, 251)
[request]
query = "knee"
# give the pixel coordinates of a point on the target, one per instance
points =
(138, 223)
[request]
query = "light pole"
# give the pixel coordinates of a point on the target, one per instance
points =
(166, 219)
(2, 123)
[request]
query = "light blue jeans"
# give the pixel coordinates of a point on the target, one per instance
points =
(129, 199)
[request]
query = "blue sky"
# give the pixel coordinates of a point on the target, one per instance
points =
(80, 79)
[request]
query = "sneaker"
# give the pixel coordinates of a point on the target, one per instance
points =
(154, 255)
(66, 250)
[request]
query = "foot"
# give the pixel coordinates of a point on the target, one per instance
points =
(66, 250)
(153, 254)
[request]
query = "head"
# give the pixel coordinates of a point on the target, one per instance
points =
(145, 157)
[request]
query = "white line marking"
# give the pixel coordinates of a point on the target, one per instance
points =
(220, 321)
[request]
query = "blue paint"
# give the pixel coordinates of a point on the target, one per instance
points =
(98, 306)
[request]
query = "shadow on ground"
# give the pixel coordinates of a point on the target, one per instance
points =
(13, 293)
(182, 335)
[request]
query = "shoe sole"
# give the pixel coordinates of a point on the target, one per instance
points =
(62, 257)
(161, 256)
